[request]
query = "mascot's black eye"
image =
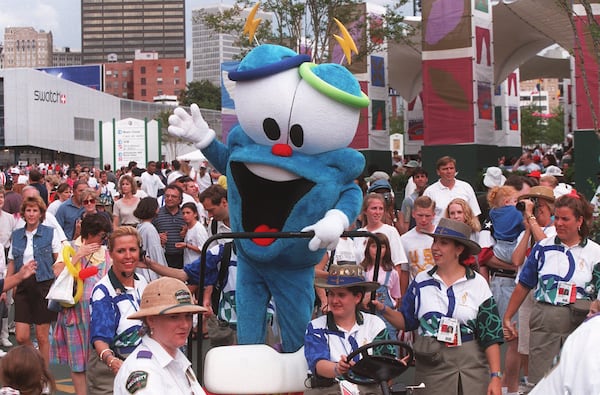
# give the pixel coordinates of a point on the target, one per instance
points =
(271, 129)
(297, 135)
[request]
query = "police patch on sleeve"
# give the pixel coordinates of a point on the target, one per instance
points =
(136, 381)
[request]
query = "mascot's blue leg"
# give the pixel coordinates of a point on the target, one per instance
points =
(294, 295)
(251, 299)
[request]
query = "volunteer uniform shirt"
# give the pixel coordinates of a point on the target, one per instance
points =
(551, 261)
(418, 250)
(213, 264)
(324, 340)
(151, 370)
(110, 308)
(469, 300)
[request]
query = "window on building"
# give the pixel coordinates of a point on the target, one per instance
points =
(125, 73)
(84, 129)
(143, 81)
(176, 69)
(176, 81)
(159, 69)
(143, 69)
(143, 92)
(159, 80)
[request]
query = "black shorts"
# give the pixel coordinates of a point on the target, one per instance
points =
(31, 305)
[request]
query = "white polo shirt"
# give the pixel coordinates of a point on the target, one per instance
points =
(442, 195)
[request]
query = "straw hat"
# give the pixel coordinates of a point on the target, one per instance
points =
(345, 276)
(166, 295)
(458, 231)
(493, 177)
(539, 192)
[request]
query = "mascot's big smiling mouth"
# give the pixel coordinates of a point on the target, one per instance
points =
(266, 204)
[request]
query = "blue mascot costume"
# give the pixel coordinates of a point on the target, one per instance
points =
(288, 169)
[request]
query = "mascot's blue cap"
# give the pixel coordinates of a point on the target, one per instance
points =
(266, 60)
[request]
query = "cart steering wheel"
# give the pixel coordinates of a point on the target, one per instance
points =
(376, 369)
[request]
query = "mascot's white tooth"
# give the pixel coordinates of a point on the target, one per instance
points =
(271, 173)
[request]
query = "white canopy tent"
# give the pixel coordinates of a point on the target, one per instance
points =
(193, 156)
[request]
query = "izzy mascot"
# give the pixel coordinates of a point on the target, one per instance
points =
(288, 168)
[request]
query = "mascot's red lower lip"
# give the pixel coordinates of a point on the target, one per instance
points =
(266, 241)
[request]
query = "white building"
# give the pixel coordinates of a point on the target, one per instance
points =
(47, 119)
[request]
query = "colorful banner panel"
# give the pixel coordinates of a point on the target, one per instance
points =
(361, 138)
(448, 92)
(447, 25)
(377, 71)
(378, 118)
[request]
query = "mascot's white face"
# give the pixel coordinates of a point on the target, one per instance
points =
(284, 109)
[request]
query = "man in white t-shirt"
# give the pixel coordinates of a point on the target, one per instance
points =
(448, 188)
(151, 182)
(417, 244)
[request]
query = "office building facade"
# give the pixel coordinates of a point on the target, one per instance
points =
(26, 47)
(210, 49)
(115, 29)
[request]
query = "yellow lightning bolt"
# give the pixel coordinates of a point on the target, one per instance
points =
(251, 23)
(346, 41)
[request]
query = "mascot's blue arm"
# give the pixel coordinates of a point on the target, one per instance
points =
(350, 201)
(217, 154)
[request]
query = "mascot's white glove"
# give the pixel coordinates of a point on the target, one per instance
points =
(191, 127)
(327, 230)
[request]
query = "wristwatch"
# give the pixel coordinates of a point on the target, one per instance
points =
(496, 374)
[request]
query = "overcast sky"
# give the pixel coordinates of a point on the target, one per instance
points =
(63, 18)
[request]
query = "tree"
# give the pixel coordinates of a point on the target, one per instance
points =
(203, 93)
(555, 131)
(532, 128)
(308, 24)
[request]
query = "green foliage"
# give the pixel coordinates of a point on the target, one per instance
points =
(531, 126)
(203, 93)
(396, 125)
(537, 130)
(305, 23)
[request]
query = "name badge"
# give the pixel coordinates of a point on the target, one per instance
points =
(449, 332)
(566, 293)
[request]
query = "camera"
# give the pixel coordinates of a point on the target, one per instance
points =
(521, 205)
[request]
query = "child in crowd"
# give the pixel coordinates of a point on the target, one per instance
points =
(388, 292)
(507, 221)
(23, 371)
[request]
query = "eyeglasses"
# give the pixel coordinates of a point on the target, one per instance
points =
(89, 201)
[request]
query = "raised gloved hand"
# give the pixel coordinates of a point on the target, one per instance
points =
(327, 230)
(191, 127)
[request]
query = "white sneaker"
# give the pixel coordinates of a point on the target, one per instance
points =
(2, 353)
(6, 343)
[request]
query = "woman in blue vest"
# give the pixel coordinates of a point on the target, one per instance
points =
(38, 243)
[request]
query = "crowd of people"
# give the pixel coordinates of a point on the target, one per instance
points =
(454, 279)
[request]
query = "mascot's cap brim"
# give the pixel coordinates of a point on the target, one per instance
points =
(269, 69)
